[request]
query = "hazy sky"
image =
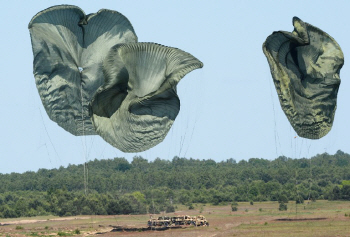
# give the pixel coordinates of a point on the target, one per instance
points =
(229, 108)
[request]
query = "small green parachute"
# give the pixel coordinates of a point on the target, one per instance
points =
(305, 67)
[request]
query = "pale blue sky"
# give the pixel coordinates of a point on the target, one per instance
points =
(229, 109)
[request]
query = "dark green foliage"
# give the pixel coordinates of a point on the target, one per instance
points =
(283, 206)
(345, 192)
(299, 200)
(61, 233)
(170, 208)
(282, 198)
(234, 206)
(283, 201)
(119, 187)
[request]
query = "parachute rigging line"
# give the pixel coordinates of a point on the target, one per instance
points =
(91, 145)
(274, 122)
(298, 194)
(310, 181)
(302, 142)
(195, 122)
(194, 115)
(310, 174)
(84, 140)
(197, 112)
(182, 140)
(47, 150)
(48, 136)
(171, 138)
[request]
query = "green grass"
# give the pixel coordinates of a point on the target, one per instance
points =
(259, 219)
(61, 233)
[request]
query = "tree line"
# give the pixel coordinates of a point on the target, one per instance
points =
(117, 186)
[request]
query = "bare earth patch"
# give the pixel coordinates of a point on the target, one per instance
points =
(21, 222)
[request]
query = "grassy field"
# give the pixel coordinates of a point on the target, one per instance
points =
(320, 218)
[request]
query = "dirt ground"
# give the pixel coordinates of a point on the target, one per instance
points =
(321, 218)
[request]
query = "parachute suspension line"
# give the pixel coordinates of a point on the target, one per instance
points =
(298, 199)
(310, 167)
(41, 115)
(48, 154)
(171, 139)
(195, 122)
(47, 150)
(275, 124)
(182, 141)
(183, 137)
(302, 142)
(84, 142)
(196, 114)
(189, 122)
(91, 145)
(103, 150)
(292, 145)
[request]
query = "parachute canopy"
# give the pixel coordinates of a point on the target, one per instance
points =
(305, 67)
(69, 48)
(135, 108)
(94, 78)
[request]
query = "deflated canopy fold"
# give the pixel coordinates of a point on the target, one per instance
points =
(137, 105)
(305, 67)
(68, 48)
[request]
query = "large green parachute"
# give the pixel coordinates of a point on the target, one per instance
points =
(305, 67)
(94, 78)
(69, 48)
(137, 105)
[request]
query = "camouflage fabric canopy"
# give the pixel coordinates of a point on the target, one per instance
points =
(135, 108)
(305, 67)
(68, 48)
